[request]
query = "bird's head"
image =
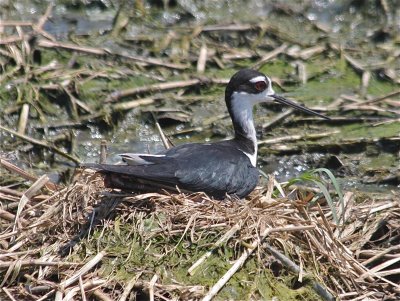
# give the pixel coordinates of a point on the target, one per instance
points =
(248, 87)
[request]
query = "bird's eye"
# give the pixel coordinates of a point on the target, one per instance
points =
(260, 86)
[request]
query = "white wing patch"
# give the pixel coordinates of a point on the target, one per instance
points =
(138, 159)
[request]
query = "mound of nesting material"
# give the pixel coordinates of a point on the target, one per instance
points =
(83, 242)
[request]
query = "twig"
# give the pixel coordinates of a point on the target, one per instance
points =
(103, 152)
(152, 88)
(47, 295)
(151, 287)
(280, 189)
(88, 285)
(320, 289)
(102, 296)
(270, 189)
(15, 23)
(43, 19)
(11, 218)
(37, 262)
(23, 118)
(13, 168)
(270, 55)
(387, 10)
(328, 145)
(12, 254)
(9, 295)
(202, 60)
(102, 51)
(41, 144)
(278, 118)
(380, 98)
(7, 235)
(216, 245)
(164, 139)
(388, 272)
(381, 254)
(233, 27)
(9, 40)
(129, 287)
(379, 267)
(86, 268)
(153, 61)
(115, 96)
(298, 137)
(354, 63)
(82, 289)
(239, 262)
(38, 27)
(309, 52)
(301, 72)
(125, 106)
(35, 187)
(366, 76)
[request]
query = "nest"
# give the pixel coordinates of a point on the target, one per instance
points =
(55, 242)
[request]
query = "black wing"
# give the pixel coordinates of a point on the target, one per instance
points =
(215, 169)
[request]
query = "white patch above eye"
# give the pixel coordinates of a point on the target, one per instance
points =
(267, 80)
(260, 78)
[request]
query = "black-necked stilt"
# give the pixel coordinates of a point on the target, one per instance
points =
(218, 168)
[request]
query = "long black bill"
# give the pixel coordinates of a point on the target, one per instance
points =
(285, 101)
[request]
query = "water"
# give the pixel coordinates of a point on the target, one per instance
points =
(344, 23)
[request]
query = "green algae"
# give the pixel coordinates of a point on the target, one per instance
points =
(328, 86)
(277, 68)
(140, 242)
(379, 163)
(360, 131)
(330, 78)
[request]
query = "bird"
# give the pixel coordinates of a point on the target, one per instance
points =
(219, 169)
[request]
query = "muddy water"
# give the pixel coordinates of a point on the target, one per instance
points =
(344, 23)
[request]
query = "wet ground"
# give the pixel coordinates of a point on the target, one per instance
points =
(338, 57)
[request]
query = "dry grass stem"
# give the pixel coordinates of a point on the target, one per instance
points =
(202, 60)
(270, 55)
(316, 245)
(40, 143)
(151, 88)
(297, 137)
(83, 241)
(217, 244)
